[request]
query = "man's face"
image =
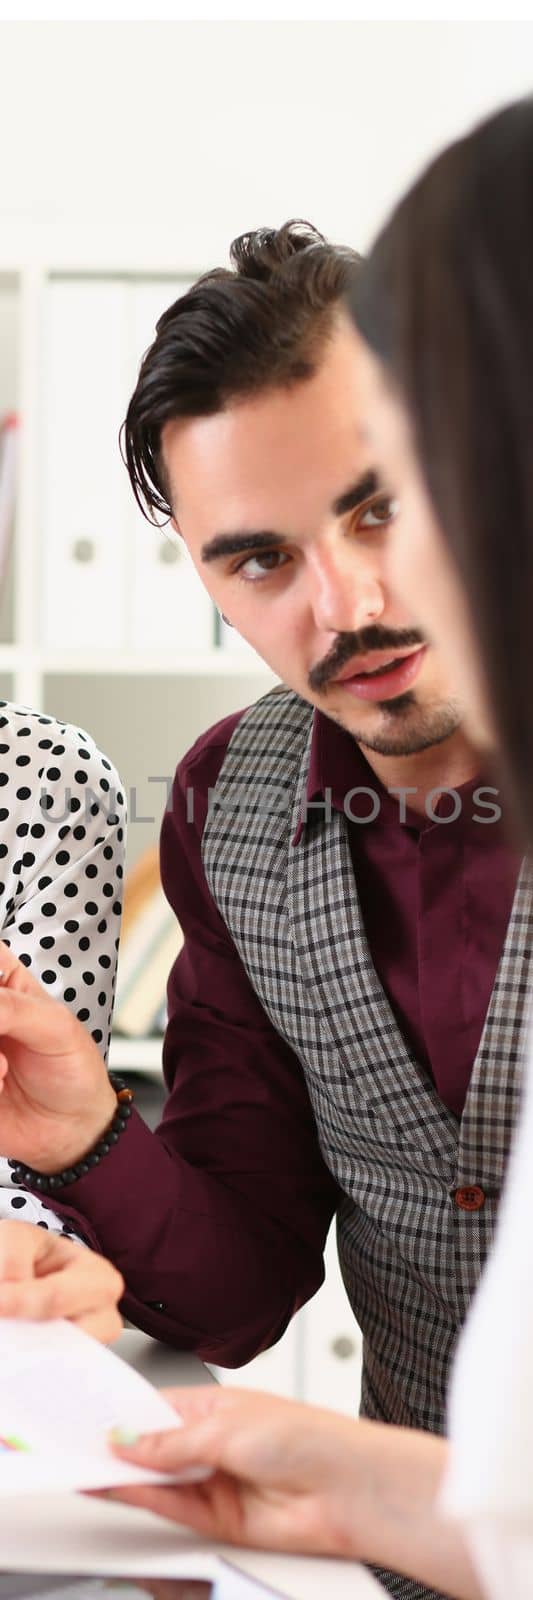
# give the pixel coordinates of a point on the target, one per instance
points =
(287, 524)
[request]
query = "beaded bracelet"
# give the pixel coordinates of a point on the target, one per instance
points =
(47, 1183)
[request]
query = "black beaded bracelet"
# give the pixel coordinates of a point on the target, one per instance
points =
(48, 1183)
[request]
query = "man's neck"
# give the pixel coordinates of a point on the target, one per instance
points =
(440, 766)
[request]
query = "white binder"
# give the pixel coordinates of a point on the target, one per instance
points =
(110, 579)
(168, 607)
(83, 503)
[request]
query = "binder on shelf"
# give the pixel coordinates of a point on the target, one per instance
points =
(151, 940)
(83, 534)
(111, 580)
(169, 608)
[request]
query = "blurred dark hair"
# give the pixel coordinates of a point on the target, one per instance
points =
(261, 323)
(446, 302)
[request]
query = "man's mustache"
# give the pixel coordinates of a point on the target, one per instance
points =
(348, 645)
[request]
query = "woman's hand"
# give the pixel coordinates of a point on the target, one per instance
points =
(279, 1477)
(292, 1477)
(55, 1096)
(43, 1275)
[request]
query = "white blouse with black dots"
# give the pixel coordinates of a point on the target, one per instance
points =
(62, 824)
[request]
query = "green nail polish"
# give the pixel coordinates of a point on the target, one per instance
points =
(123, 1436)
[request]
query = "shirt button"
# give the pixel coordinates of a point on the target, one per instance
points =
(156, 1305)
(470, 1199)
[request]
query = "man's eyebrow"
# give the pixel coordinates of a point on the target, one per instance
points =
(251, 539)
(360, 491)
(231, 544)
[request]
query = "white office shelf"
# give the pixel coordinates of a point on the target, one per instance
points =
(68, 663)
(136, 1055)
(201, 663)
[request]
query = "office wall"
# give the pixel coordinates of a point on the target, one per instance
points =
(197, 131)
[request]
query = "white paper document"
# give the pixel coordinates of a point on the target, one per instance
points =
(60, 1394)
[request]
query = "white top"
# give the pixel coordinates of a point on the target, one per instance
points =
(490, 1482)
(62, 821)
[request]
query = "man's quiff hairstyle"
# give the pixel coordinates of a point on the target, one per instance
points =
(261, 323)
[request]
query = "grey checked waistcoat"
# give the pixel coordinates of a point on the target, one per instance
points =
(410, 1258)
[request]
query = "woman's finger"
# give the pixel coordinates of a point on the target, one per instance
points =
(20, 1245)
(67, 1281)
(198, 1402)
(214, 1421)
(198, 1410)
(15, 974)
(188, 1505)
(171, 1451)
(80, 1270)
(105, 1325)
(33, 1019)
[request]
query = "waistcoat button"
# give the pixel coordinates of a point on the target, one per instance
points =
(470, 1199)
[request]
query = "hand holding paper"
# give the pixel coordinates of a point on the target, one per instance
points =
(61, 1394)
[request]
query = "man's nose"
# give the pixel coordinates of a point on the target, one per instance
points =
(345, 595)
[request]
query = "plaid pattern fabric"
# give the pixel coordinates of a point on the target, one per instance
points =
(410, 1257)
(404, 1588)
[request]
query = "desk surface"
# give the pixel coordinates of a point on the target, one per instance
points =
(164, 1367)
(75, 1533)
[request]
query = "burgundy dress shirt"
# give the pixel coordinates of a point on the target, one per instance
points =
(218, 1220)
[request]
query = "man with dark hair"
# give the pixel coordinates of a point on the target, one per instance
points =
(345, 1017)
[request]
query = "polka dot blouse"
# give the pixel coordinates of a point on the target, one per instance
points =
(62, 823)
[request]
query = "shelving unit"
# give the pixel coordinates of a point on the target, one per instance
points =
(143, 706)
(209, 663)
(72, 493)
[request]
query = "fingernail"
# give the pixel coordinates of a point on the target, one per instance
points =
(123, 1436)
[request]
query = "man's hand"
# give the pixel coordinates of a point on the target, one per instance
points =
(55, 1096)
(43, 1275)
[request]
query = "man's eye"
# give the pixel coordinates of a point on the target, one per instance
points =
(262, 565)
(379, 512)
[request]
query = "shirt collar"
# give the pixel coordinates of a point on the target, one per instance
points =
(337, 767)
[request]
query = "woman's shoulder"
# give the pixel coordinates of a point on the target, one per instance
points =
(52, 774)
(48, 746)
